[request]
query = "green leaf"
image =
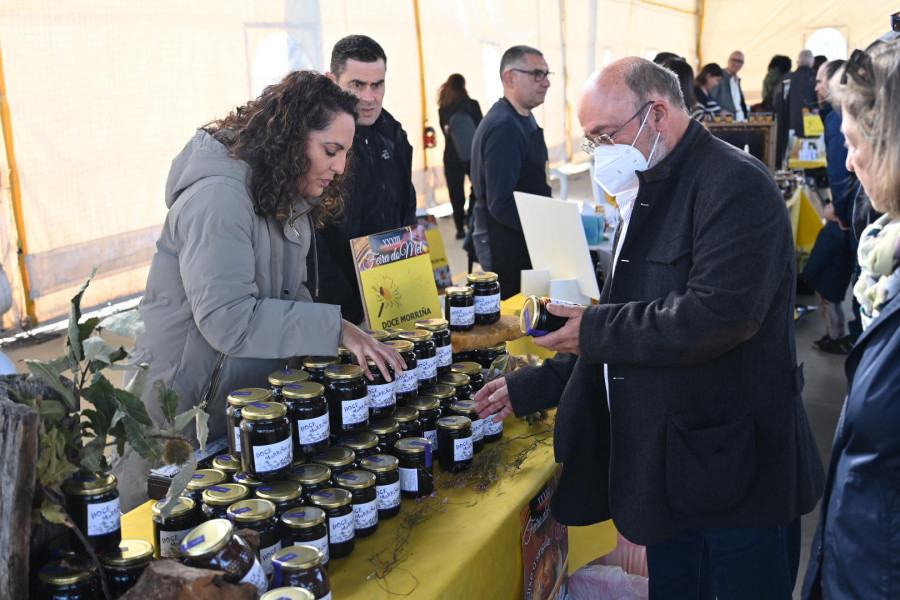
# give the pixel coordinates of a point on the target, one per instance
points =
(134, 407)
(182, 420)
(52, 410)
(139, 381)
(202, 428)
(91, 455)
(54, 513)
(73, 342)
(93, 347)
(168, 400)
(126, 323)
(144, 446)
(47, 374)
(102, 395)
(179, 484)
(97, 422)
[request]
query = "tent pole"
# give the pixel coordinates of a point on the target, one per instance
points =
(701, 15)
(16, 194)
(567, 124)
(421, 79)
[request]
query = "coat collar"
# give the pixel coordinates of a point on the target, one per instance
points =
(694, 135)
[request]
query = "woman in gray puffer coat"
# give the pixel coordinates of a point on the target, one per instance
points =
(226, 299)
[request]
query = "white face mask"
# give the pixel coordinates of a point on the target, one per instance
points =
(615, 166)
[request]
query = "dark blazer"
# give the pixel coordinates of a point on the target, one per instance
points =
(722, 94)
(707, 426)
(855, 550)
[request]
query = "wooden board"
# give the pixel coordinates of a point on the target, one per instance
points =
(482, 336)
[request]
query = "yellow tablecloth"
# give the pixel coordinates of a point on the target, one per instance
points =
(472, 549)
(819, 163)
(805, 221)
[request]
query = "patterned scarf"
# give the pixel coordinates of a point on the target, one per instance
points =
(879, 257)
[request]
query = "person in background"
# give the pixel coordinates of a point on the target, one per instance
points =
(382, 196)
(509, 155)
(685, 75)
(665, 55)
(728, 94)
(818, 61)
(453, 99)
(802, 91)
(226, 301)
(680, 413)
(779, 66)
(705, 107)
(855, 550)
(831, 260)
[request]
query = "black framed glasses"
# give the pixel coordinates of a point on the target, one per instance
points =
(607, 140)
(859, 65)
(538, 75)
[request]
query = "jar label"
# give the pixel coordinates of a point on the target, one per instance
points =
(477, 430)
(381, 395)
(313, 430)
(431, 436)
(103, 517)
(170, 542)
(409, 480)
(486, 305)
(340, 528)
(321, 544)
(237, 439)
(354, 411)
(257, 577)
(427, 368)
(445, 355)
(326, 596)
(266, 554)
(388, 495)
(462, 315)
(491, 428)
(408, 382)
(272, 457)
(462, 449)
(366, 514)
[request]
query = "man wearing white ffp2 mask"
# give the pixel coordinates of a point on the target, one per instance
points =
(616, 164)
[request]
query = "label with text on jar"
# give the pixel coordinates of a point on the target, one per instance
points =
(257, 576)
(237, 439)
(272, 457)
(355, 411)
(266, 554)
(462, 315)
(341, 528)
(445, 355)
(321, 544)
(366, 515)
(485, 305)
(169, 542)
(381, 395)
(491, 428)
(409, 480)
(388, 495)
(408, 382)
(103, 517)
(427, 368)
(478, 429)
(313, 430)
(463, 449)
(431, 436)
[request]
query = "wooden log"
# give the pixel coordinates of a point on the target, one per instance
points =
(482, 336)
(19, 449)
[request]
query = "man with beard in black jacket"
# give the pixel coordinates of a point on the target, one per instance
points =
(382, 196)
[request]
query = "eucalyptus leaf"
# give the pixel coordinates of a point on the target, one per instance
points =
(202, 428)
(127, 323)
(47, 374)
(179, 484)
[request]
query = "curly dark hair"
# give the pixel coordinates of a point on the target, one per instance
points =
(270, 135)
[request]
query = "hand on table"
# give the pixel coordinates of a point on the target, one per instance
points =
(565, 339)
(493, 399)
(362, 345)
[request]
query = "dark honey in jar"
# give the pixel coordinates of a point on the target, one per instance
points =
(461, 384)
(408, 424)
(426, 355)
(363, 444)
(429, 409)
(312, 476)
(416, 467)
(387, 482)
(125, 565)
(473, 370)
(235, 404)
(308, 412)
(486, 292)
(305, 526)
(455, 443)
(406, 385)
(283, 377)
(440, 332)
(466, 408)
(316, 365)
(92, 501)
(217, 499)
(268, 449)
(338, 508)
(303, 567)
(69, 579)
(347, 394)
(258, 515)
(200, 480)
(388, 433)
(285, 495)
(361, 485)
(382, 400)
(459, 306)
(170, 531)
(214, 545)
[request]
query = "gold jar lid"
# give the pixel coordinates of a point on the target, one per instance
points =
(343, 351)
(279, 491)
(203, 478)
(439, 390)
(455, 379)
(413, 445)
(288, 593)
(252, 509)
(454, 422)
(263, 411)
(67, 571)
(377, 334)
(355, 480)
(360, 441)
(400, 345)
(303, 517)
(207, 538)
(374, 366)
(331, 497)
(182, 507)
(247, 395)
(465, 406)
(481, 277)
(297, 558)
(90, 484)
(433, 324)
(501, 347)
(129, 553)
(404, 414)
(467, 367)
(227, 464)
(309, 473)
(304, 389)
(225, 494)
(286, 376)
(320, 362)
(426, 403)
(384, 426)
(247, 480)
(530, 314)
(459, 290)
(342, 372)
(336, 456)
(379, 463)
(415, 335)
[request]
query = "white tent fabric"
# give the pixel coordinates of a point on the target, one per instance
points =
(102, 94)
